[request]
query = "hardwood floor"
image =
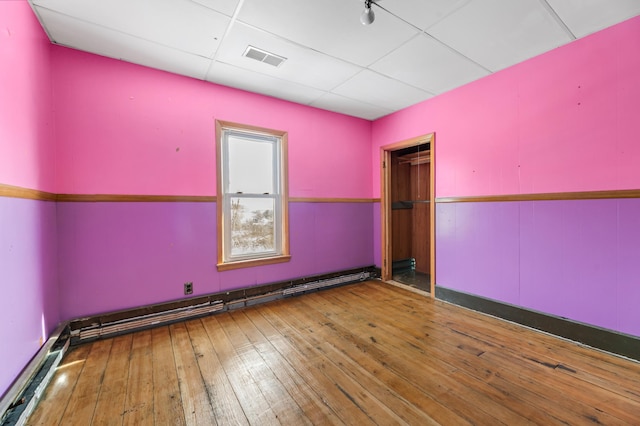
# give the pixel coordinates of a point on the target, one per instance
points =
(367, 353)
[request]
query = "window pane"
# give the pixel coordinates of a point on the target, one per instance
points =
(252, 226)
(250, 166)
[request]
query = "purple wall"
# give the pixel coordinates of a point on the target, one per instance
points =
(377, 234)
(476, 244)
(28, 274)
(28, 266)
(121, 255)
(576, 259)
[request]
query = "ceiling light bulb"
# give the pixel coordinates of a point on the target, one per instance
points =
(367, 17)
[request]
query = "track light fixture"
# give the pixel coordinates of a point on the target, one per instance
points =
(367, 17)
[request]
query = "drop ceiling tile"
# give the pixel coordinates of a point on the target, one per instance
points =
(227, 7)
(330, 26)
(180, 24)
(80, 35)
(500, 33)
(423, 13)
(337, 103)
(376, 89)
(303, 66)
(251, 81)
(425, 63)
(584, 17)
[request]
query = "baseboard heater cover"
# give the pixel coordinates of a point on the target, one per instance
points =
(22, 397)
(17, 404)
(108, 325)
(315, 285)
(145, 321)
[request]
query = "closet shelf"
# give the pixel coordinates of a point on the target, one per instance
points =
(400, 205)
(416, 158)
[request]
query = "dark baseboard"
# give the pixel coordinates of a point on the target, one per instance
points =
(377, 271)
(596, 337)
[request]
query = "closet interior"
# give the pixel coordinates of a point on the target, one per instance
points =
(410, 216)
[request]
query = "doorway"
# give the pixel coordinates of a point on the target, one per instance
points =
(408, 212)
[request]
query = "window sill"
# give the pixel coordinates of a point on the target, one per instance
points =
(227, 266)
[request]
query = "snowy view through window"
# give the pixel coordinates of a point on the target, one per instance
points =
(251, 183)
(252, 226)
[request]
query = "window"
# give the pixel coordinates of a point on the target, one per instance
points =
(252, 196)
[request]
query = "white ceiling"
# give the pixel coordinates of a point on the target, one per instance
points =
(414, 50)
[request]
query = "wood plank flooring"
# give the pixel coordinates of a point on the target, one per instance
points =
(367, 353)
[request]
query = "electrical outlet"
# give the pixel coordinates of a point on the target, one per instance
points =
(188, 288)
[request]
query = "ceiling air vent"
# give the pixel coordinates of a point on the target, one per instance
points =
(263, 56)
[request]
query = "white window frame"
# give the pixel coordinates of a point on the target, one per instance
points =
(280, 196)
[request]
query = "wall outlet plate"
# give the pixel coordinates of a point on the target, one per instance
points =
(188, 288)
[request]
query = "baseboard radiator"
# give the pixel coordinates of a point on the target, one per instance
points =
(88, 329)
(330, 282)
(142, 322)
(20, 400)
(22, 397)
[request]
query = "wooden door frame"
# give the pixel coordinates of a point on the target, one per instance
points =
(385, 204)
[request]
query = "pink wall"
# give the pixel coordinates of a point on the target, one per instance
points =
(26, 122)
(28, 265)
(126, 129)
(563, 121)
